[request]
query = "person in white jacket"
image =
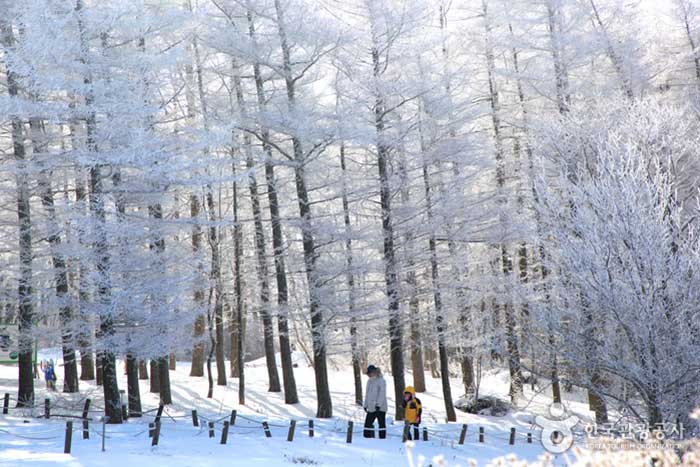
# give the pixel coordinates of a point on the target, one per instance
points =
(375, 403)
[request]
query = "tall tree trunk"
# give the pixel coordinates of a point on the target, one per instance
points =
(157, 247)
(350, 282)
(197, 364)
(525, 169)
(563, 100)
(132, 385)
(260, 249)
(433, 363)
(691, 41)
(290, 388)
(516, 385)
(615, 58)
(458, 267)
(437, 293)
(389, 253)
(98, 367)
(39, 146)
(233, 338)
(107, 359)
(323, 395)
(218, 292)
(212, 344)
(25, 393)
(217, 338)
(417, 365)
(154, 386)
(554, 370)
(238, 286)
(561, 78)
(85, 336)
(561, 74)
(197, 367)
(467, 374)
(215, 274)
(132, 376)
(143, 370)
(164, 379)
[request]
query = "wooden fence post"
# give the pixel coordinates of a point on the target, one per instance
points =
(348, 438)
(232, 421)
(290, 433)
(195, 418)
(425, 433)
(6, 403)
(69, 438)
(47, 408)
(86, 426)
(529, 438)
(156, 435)
(511, 441)
(481, 434)
(224, 432)
(266, 427)
(159, 413)
(151, 429)
(104, 429)
(463, 434)
(86, 429)
(211, 429)
(311, 428)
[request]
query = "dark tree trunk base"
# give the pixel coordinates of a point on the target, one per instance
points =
(155, 377)
(132, 384)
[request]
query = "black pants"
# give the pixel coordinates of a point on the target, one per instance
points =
(416, 432)
(369, 424)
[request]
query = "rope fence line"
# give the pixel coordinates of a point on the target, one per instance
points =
(393, 430)
(33, 438)
(453, 434)
(227, 423)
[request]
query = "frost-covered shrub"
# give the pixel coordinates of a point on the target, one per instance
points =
(623, 254)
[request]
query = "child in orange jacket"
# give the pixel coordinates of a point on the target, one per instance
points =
(413, 409)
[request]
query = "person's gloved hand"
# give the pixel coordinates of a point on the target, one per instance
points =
(418, 420)
(365, 408)
(376, 409)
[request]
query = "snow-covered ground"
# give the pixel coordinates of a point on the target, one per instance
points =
(27, 439)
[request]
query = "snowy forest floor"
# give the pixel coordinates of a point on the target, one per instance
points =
(27, 439)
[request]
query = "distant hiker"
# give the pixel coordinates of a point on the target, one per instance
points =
(49, 374)
(375, 403)
(413, 409)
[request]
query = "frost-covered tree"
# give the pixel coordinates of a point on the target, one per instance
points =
(622, 254)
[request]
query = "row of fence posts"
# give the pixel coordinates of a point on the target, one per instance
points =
(349, 432)
(155, 426)
(68, 440)
(47, 408)
(511, 438)
(154, 431)
(232, 421)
